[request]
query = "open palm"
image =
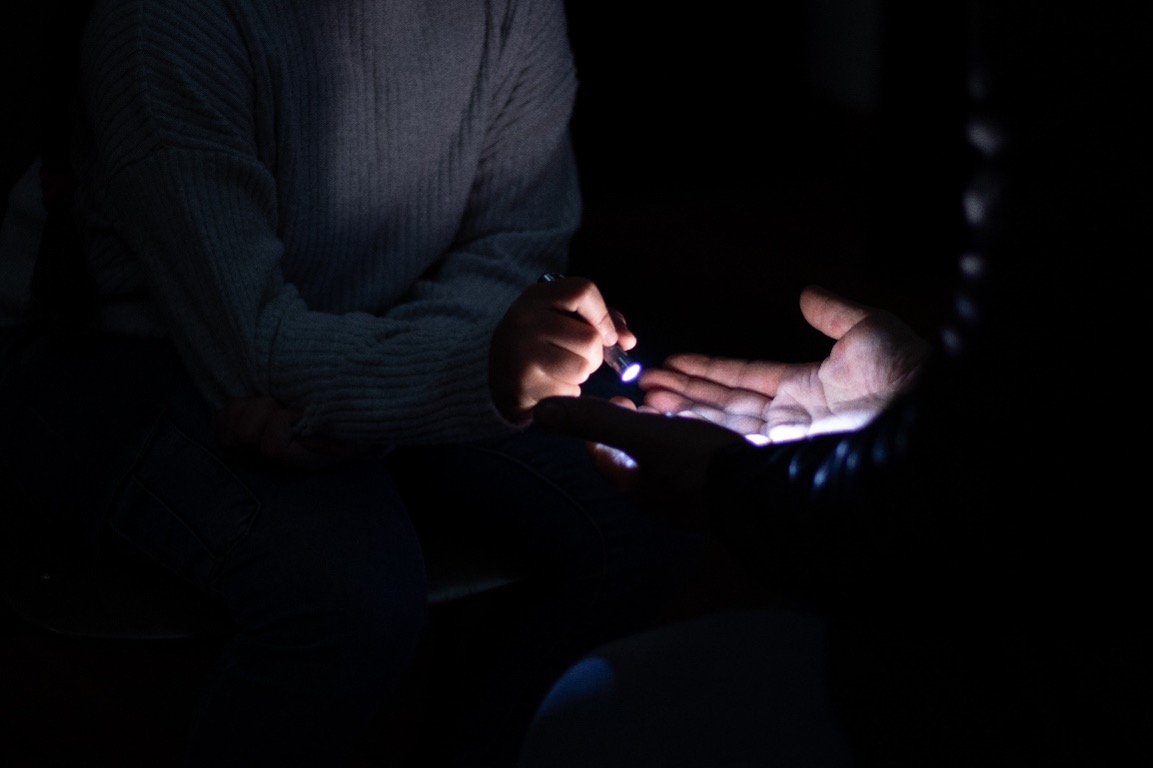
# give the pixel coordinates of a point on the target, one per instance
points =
(875, 357)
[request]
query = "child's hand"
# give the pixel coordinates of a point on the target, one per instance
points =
(549, 342)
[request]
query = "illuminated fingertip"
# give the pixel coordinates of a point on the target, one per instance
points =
(618, 457)
(757, 439)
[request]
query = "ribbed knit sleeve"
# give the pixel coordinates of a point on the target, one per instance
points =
(335, 203)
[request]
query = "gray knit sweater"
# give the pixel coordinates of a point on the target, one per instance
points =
(331, 202)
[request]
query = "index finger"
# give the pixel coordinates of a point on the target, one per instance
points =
(759, 376)
(581, 297)
(665, 388)
(830, 313)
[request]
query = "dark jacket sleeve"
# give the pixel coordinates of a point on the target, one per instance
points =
(835, 514)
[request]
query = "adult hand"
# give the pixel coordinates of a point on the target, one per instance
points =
(874, 358)
(261, 427)
(658, 458)
(549, 342)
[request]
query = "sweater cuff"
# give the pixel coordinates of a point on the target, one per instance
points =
(353, 384)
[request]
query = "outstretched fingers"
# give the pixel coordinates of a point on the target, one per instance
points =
(758, 376)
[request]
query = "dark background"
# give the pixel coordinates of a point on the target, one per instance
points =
(728, 157)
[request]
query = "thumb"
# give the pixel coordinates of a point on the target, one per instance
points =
(829, 313)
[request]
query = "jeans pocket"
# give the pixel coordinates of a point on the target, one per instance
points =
(183, 506)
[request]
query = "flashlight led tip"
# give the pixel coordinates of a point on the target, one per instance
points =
(627, 368)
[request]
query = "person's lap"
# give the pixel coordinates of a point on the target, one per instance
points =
(320, 573)
(597, 568)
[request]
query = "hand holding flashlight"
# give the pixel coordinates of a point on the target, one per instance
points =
(551, 340)
(614, 357)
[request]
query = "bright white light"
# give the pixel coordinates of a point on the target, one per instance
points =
(757, 439)
(617, 359)
(844, 422)
(787, 432)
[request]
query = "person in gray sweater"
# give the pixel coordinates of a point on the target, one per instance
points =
(314, 233)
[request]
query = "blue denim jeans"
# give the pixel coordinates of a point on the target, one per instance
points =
(733, 689)
(322, 574)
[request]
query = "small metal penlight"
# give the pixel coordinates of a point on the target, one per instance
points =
(617, 359)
